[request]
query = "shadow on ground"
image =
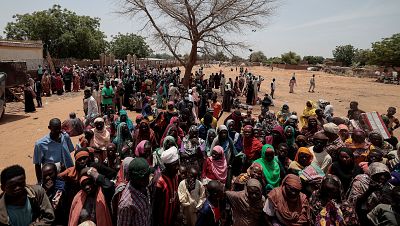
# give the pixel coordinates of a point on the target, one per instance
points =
(11, 118)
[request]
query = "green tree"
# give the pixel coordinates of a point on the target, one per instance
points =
(124, 44)
(63, 32)
(361, 57)
(290, 58)
(257, 57)
(236, 59)
(220, 56)
(344, 54)
(164, 56)
(387, 51)
(313, 60)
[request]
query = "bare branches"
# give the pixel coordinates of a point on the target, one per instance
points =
(203, 24)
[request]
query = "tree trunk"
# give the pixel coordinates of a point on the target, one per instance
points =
(189, 64)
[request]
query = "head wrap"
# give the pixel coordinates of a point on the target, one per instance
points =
(81, 154)
(138, 168)
(99, 119)
(320, 136)
(83, 178)
(377, 167)
(169, 156)
(221, 128)
(271, 169)
(305, 151)
(219, 166)
(343, 127)
(140, 148)
(331, 128)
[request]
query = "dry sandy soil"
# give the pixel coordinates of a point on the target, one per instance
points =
(19, 131)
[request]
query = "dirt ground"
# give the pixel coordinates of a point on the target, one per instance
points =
(19, 131)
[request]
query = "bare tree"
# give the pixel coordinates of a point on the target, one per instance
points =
(205, 25)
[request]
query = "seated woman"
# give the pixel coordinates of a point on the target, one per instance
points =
(277, 136)
(374, 155)
(378, 143)
(308, 112)
(326, 202)
(369, 190)
(345, 168)
(303, 158)
(215, 167)
(358, 145)
(311, 128)
(270, 166)
(173, 131)
(286, 205)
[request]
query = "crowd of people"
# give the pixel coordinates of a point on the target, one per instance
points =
(174, 164)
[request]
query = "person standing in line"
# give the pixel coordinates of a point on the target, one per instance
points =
(273, 87)
(312, 84)
(38, 91)
(107, 94)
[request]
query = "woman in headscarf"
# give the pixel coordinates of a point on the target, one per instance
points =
(270, 166)
(328, 113)
(167, 143)
(235, 136)
(215, 167)
(237, 117)
(121, 182)
(251, 145)
(174, 122)
(161, 93)
(123, 141)
(29, 95)
(303, 158)
(290, 138)
(345, 168)
(247, 205)
(308, 111)
(123, 117)
(344, 132)
(144, 150)
(173, 131)
(374, 155)
(90, 204)
(301, 141)
(255, 171)
(286, 205)
(277, 136)
(369, 190)
(378, 143)
(283, 114)
(311, 128)
(326, 203)
(101, 136)
(144, 133)
(211, 135)
(358, 144)
(192, 149)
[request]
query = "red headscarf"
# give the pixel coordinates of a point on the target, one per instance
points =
(251, 145)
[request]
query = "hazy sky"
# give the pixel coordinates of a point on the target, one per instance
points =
(308, 27)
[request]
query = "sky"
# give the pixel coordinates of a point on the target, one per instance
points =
(307, 27)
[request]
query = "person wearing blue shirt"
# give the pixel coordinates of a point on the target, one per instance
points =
(55, 147)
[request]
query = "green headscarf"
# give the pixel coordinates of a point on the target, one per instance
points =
(271, 169)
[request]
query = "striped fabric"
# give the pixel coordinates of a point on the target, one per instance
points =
(134, 208)
(170, 192)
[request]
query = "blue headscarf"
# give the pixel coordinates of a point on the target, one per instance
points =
(128, 121)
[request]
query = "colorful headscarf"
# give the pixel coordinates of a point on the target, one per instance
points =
(271, 169)
(219, 167)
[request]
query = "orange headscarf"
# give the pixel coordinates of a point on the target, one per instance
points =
(305, 151)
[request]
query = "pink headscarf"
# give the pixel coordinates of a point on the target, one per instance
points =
(219, 167)
(140, 148)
